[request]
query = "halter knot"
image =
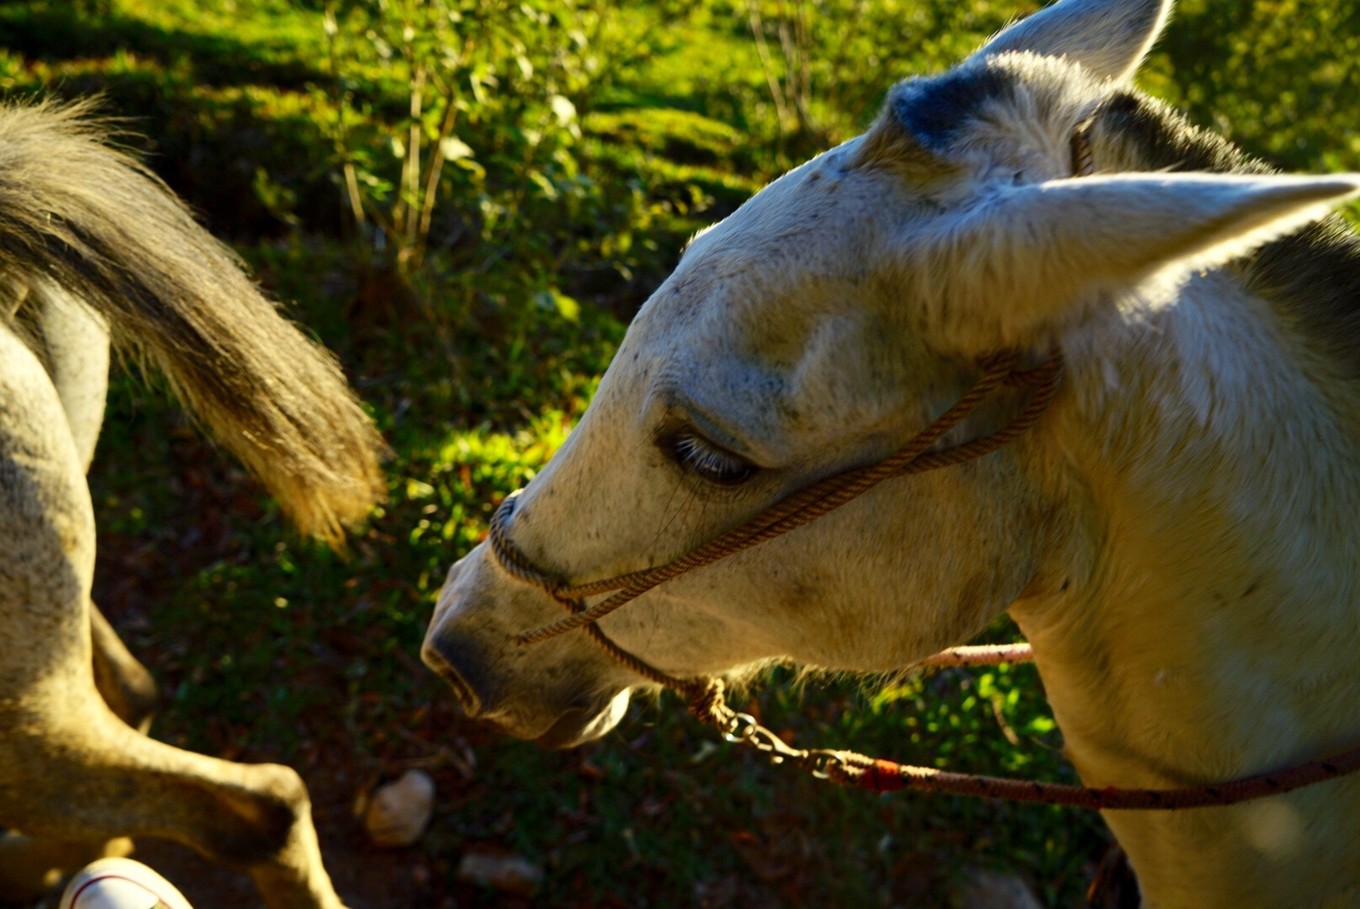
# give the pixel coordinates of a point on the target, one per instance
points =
(707, 702)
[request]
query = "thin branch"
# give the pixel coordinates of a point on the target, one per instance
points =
(767, 62)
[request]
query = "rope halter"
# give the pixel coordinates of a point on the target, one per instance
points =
(705, 695)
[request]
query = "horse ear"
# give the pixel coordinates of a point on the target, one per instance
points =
(1107, 37)
(1014, 269)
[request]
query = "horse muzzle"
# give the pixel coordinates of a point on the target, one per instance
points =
(444, 659)
(560, 693)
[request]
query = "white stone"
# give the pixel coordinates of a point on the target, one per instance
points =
(397, 813)
(506, 873)
(993, 890)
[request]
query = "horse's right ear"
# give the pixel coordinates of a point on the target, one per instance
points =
(1107, 37)
(1017, 266)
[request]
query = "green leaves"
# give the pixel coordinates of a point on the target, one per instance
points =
(493, 87)
(1277, 77)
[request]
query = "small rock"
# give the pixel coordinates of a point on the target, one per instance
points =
(992, 890)
(506, 873)
(396, 814)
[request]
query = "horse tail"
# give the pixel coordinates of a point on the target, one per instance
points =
(90, 218)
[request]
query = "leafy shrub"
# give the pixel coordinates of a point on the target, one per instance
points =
(1276, 76)
(827, 63)
(481, 161)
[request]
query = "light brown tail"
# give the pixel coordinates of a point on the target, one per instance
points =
(89, 217)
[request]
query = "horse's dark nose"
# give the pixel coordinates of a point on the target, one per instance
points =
(434, 657)
(448, 653)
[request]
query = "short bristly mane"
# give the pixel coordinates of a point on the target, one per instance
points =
(1311, 278)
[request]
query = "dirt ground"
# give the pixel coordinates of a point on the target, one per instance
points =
(366, 877)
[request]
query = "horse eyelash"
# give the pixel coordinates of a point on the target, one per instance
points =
(709, 461)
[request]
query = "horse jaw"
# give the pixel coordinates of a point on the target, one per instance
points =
(576, 727)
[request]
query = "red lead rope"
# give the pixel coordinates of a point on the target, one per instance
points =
(880, 775)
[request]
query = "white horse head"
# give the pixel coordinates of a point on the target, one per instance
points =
(1026, 200)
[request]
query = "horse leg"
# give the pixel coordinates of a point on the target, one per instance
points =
(89, 775)
(75, 344)
(28, 866)
(126, 685)
(70, 769)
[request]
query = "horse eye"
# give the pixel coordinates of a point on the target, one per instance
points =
(709, 462)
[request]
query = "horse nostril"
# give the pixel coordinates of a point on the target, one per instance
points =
(462, 691)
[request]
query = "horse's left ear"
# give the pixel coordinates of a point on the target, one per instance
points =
(1107, 37)
(1017, 267)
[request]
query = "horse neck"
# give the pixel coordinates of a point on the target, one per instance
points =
(1201, 623)
(1206, 624)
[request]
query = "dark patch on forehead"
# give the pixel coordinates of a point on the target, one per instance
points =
(934, 109)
